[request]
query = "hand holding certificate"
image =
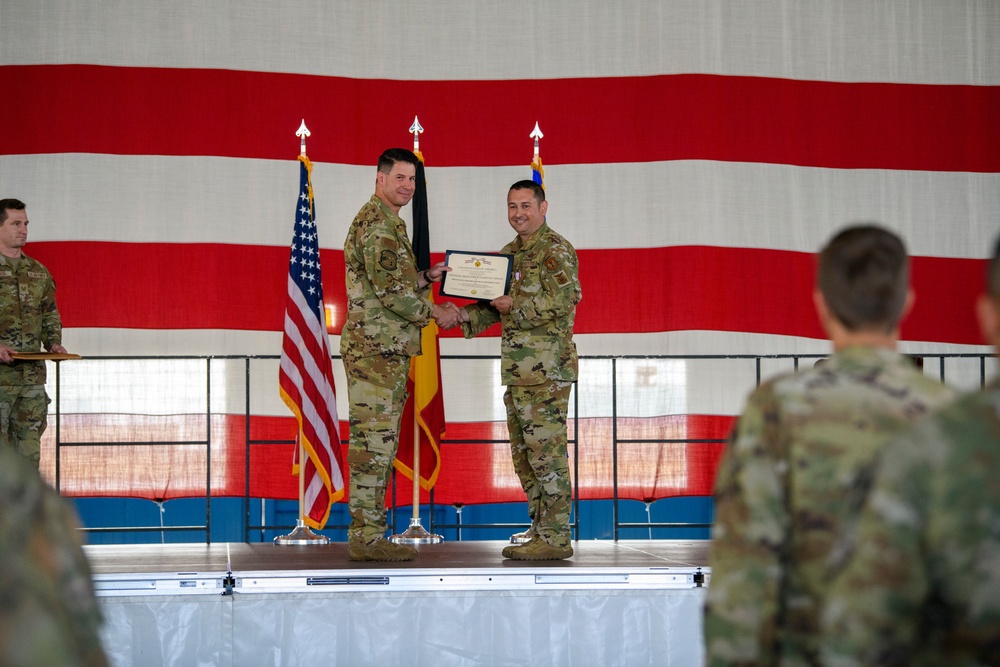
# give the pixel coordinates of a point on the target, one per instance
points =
(481, 276)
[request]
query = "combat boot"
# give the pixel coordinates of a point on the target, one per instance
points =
(538, 549)
(380, 550)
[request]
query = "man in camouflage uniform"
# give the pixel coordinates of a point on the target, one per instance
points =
(922, 584)
(28, 320)
(538, 365)
(794, 471)
(388, 304)
(48, 613)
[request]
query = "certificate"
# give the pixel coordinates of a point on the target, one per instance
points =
(476, 275)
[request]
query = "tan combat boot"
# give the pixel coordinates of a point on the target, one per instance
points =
(380, 550)
(517, 539)
(538, 549)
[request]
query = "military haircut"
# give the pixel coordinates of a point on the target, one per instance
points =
(993, 273)
(864, 274)
(528, 184)
(10, 205)
(393, 155)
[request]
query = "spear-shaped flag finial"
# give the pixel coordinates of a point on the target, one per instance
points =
(536, 134)
(303, 132)
(416, 129)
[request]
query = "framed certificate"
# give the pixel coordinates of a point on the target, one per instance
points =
(476, 275)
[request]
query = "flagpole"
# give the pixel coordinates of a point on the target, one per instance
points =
(538, 176)
(302, 534)
(416, 534)
(416, 462)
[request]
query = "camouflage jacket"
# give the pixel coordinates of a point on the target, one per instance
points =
(922, 585)
(28, 318)
(385, 310)
(48, 613)
(536, 344)
(792, 477)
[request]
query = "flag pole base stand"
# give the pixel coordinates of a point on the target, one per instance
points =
(521, 538)
(415, 534)
(301, 536)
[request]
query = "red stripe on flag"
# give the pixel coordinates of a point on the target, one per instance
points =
(143, 111)
(684, 288)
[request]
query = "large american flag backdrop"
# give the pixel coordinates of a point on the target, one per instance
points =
(696, 153)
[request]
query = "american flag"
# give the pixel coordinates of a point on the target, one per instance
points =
(697, 155)
(306, 376)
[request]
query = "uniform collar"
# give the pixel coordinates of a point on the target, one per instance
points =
(537, 234)
(868, 354)
(383, 207)
(387, 212)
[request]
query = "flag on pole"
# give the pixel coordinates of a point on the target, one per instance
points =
(537, 172)
(424, 383)
(305, 378)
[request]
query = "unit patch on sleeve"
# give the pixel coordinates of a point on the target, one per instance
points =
(387, 260)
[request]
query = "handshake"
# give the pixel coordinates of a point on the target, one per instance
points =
(448, 315)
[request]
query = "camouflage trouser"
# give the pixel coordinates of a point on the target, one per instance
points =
(376, 389)
(24, 412)
(536, 419)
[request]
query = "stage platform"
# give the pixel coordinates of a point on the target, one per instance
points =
(633, 602)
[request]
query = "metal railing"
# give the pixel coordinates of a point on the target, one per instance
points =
(617, 442)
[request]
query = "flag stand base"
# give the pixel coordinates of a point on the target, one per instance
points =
(302, 535)
(415, 534)
(521, 538)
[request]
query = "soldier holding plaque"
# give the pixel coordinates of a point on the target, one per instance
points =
(29, 320)
(538, 365)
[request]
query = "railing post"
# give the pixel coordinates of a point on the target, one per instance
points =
(246, 466)
(614, 445)
(58, 424)
(575, 526)
(208, 450)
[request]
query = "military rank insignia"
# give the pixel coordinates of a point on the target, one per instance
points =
(387, 260)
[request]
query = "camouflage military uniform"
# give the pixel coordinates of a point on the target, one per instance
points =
(28, 320)
(48, 614)
(538, 365)
(923, 584)
(385, 315)
(792, 476)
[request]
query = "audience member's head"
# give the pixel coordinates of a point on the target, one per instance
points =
(864, 278)
(988, 306)
(993, 273)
